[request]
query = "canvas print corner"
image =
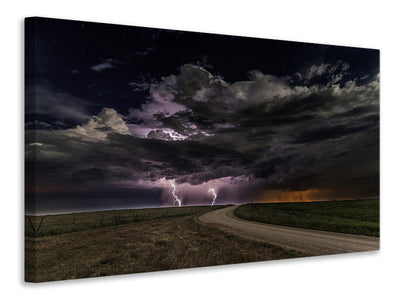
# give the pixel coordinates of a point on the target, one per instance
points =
(149, 149)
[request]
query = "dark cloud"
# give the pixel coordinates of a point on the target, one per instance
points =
(206, 139)
(262, 130)
(109, 63)
(179, 106)
(53, 104)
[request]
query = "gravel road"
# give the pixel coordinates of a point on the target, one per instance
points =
(309, 242)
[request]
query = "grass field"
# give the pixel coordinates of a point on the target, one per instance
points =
(65, 223)
(349, 216)
(127, 242)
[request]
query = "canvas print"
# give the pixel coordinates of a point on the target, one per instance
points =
(151, 149)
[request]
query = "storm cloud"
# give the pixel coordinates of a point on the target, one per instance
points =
(308, 125)
(228, 131)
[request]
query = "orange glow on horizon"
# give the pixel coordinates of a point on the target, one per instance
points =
(276, 196)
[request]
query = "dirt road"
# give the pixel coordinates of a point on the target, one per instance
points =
(309, 242)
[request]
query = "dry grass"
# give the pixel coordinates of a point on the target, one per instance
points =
(154, 245)
(65, 223)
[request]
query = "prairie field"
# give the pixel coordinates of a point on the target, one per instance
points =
(346, 216)
(80, 245)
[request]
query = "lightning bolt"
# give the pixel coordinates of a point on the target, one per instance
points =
(176, 200)
(215, 195)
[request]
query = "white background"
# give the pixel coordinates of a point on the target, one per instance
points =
(372, 24)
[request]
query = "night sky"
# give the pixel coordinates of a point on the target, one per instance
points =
(116, 115)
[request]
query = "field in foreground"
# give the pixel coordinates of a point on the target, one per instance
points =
(349, 216)
(162, 243)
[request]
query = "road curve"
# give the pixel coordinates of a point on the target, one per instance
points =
(309, 242)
